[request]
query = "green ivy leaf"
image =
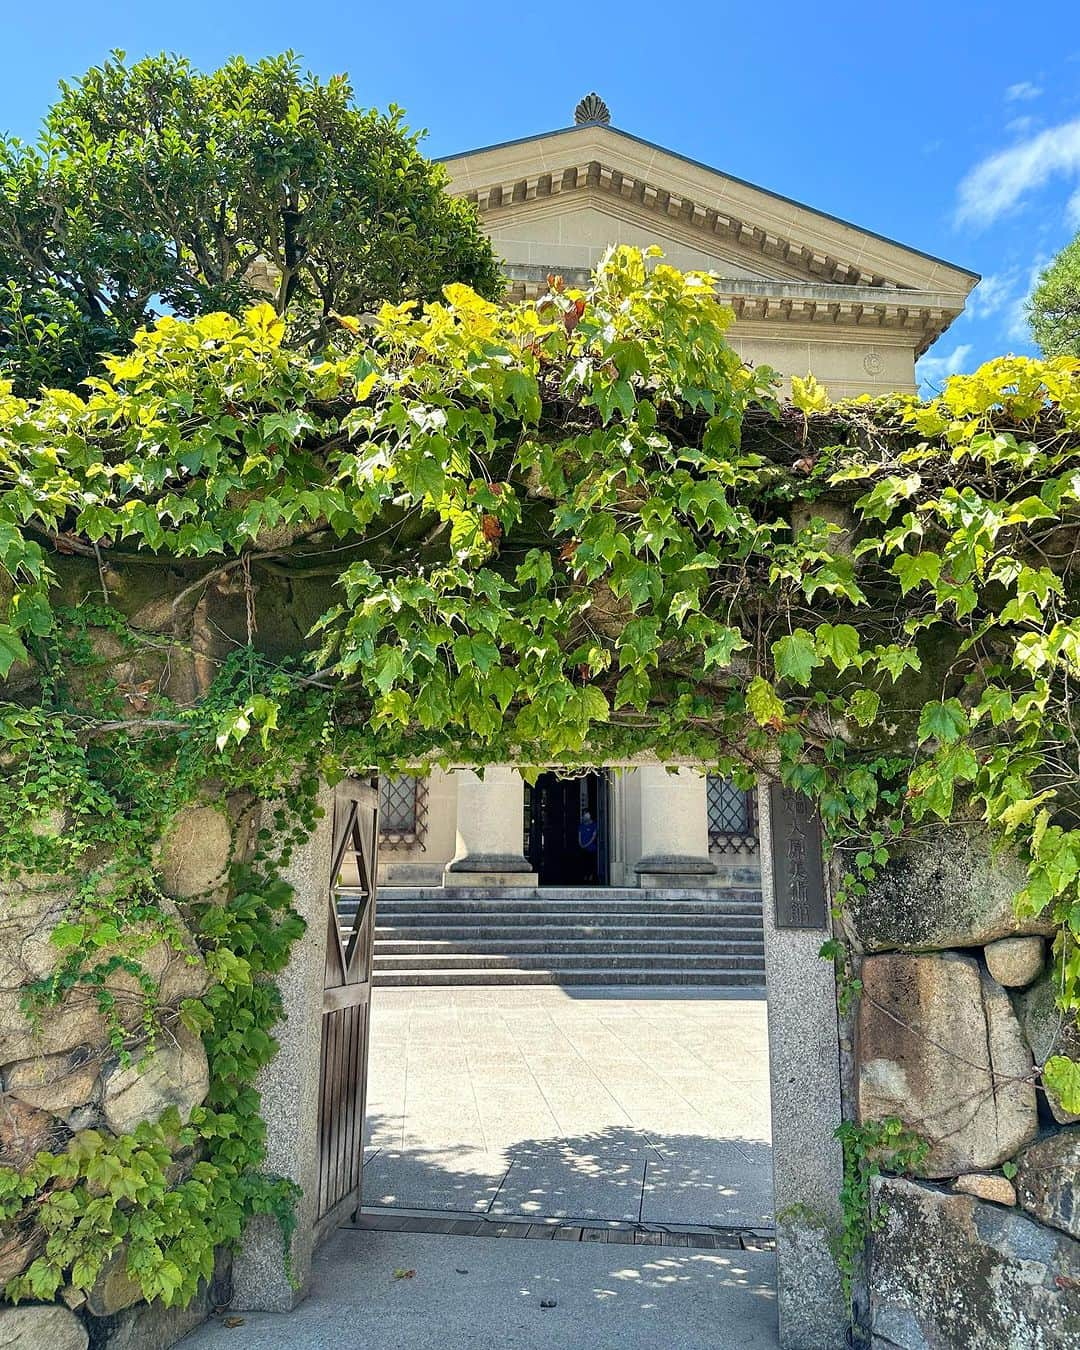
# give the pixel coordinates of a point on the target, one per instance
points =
(894, 660)
(863, 706)
(725, 643)
(945, 722)
(914, 569)
(475, 651)
(11, 649)
(390, 665)
(998, 702)
(1061, 1076)
(1020, 812)
(537, 568)
(764, 705)
(686, 602)
(633, 690)
(426, 477)
(839, 643)
(796, 657)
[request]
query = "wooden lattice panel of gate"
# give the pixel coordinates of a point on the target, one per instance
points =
(347, 1001)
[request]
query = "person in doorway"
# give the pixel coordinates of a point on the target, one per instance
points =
(587, 841)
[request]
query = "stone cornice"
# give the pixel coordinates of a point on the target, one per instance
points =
(923, 315)
(604, 160)
(751, 239)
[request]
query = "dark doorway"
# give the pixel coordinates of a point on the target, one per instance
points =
(566, 823)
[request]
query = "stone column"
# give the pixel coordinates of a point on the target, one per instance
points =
(490, 830)
(804, 1087)
(289, 1085)
(674, 829)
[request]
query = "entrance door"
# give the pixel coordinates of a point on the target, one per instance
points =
(347, 1002)
(568, 829)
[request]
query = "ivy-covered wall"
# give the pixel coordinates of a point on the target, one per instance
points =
(568, 532)
(137, 956)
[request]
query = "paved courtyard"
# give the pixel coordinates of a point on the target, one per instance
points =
(642, 1106)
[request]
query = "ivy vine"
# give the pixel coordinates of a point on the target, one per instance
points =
(557, 533)
(868, 1149)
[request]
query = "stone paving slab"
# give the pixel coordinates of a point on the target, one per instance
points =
(466, 1293)
(432, 1178)
(717, 1185)
(585, 1178)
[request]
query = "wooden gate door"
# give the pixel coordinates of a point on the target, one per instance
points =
(347, 1002)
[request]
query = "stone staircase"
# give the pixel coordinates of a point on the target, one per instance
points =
(568, 936)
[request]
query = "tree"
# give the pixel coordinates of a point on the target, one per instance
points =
(155, 188)
(1054, 308)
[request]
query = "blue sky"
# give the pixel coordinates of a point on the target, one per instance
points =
(951, 125)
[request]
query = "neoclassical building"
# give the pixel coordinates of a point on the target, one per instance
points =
(811, 293)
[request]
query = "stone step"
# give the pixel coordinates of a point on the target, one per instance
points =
(586, 895)
(574, 960)
(660, 931)
(533, 912)
(567, 935)
(589, 925)
(498, 926)
(657, 977)
(582, 946)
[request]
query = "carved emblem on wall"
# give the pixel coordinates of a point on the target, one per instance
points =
(873, 364)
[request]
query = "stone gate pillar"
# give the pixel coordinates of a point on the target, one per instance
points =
(674, 828)
(289, 1085)
(804, 1089)
(490, 830)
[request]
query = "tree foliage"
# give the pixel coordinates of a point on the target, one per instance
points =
(158, 188)
(566, 532)
(1054, 308)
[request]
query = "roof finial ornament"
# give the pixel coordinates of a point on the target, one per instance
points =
(592, 109)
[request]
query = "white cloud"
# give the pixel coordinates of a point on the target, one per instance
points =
(1017, 329)
(1023, 90)
(1072, 210)
(1002, 180)
(1006, 294)
(992, 294)
(933, 371)
(1019, 125)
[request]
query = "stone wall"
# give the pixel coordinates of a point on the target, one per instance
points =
(65, 1075)
(136, 1326)
(955, 1019)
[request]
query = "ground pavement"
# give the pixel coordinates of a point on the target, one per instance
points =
(471, 1293)
(644, 1106)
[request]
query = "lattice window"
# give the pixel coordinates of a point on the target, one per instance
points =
(403, 804)
(732, 826)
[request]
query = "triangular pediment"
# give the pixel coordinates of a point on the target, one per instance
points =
(585, 179)
(575, 229)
